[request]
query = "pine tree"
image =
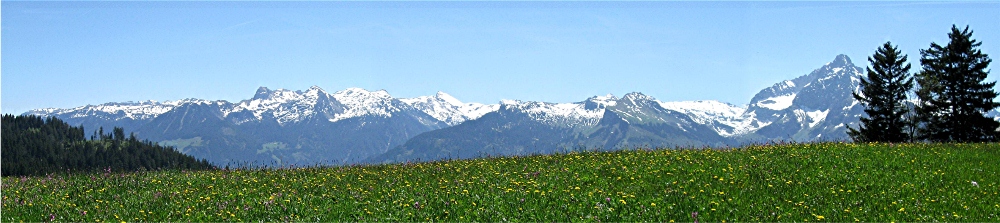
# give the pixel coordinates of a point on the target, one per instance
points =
(883, 93)
(953, 95)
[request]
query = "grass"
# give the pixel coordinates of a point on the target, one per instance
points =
(802, 182)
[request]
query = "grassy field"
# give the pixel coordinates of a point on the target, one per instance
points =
(812, 182)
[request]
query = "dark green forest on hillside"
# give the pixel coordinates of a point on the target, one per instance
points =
(36, 146)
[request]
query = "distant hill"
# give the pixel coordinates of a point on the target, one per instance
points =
(35, 146)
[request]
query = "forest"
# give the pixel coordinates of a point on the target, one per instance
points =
(34, 145)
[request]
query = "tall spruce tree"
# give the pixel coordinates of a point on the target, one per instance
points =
(953, 95)
(883, 93)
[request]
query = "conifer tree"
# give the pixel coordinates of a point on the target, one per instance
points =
(954, 97)
(883, 93)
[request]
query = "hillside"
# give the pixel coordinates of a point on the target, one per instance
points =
(36, 146)
(811, 182)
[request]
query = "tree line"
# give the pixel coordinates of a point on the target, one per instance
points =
(952, 96)
(36, 146)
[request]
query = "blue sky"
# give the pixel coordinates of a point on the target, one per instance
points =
(68, 54)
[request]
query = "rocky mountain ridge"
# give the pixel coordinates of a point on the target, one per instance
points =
(355, 125)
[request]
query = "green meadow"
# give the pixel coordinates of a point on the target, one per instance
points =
(790, 182)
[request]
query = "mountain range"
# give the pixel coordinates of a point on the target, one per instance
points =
(285, 127)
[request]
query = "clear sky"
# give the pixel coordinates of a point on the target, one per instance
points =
(68, 54)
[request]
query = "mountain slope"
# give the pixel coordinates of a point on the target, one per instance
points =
(813, 107)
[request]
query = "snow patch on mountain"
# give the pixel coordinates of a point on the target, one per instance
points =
(817, 116)
(706, 111)
(777, 103)
(810, 119)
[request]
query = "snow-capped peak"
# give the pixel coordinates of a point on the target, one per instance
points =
(314, 93)
(605, 97)
(509, 102)
(448, 109)
(600, 102)
(262, 92)
(636, 96)
(361, 93)
(284, 105)
(448, 98)
(840, 61)
(608, 99)
(556, 114)
(279, 95)
(636, 101)
(360, 102)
